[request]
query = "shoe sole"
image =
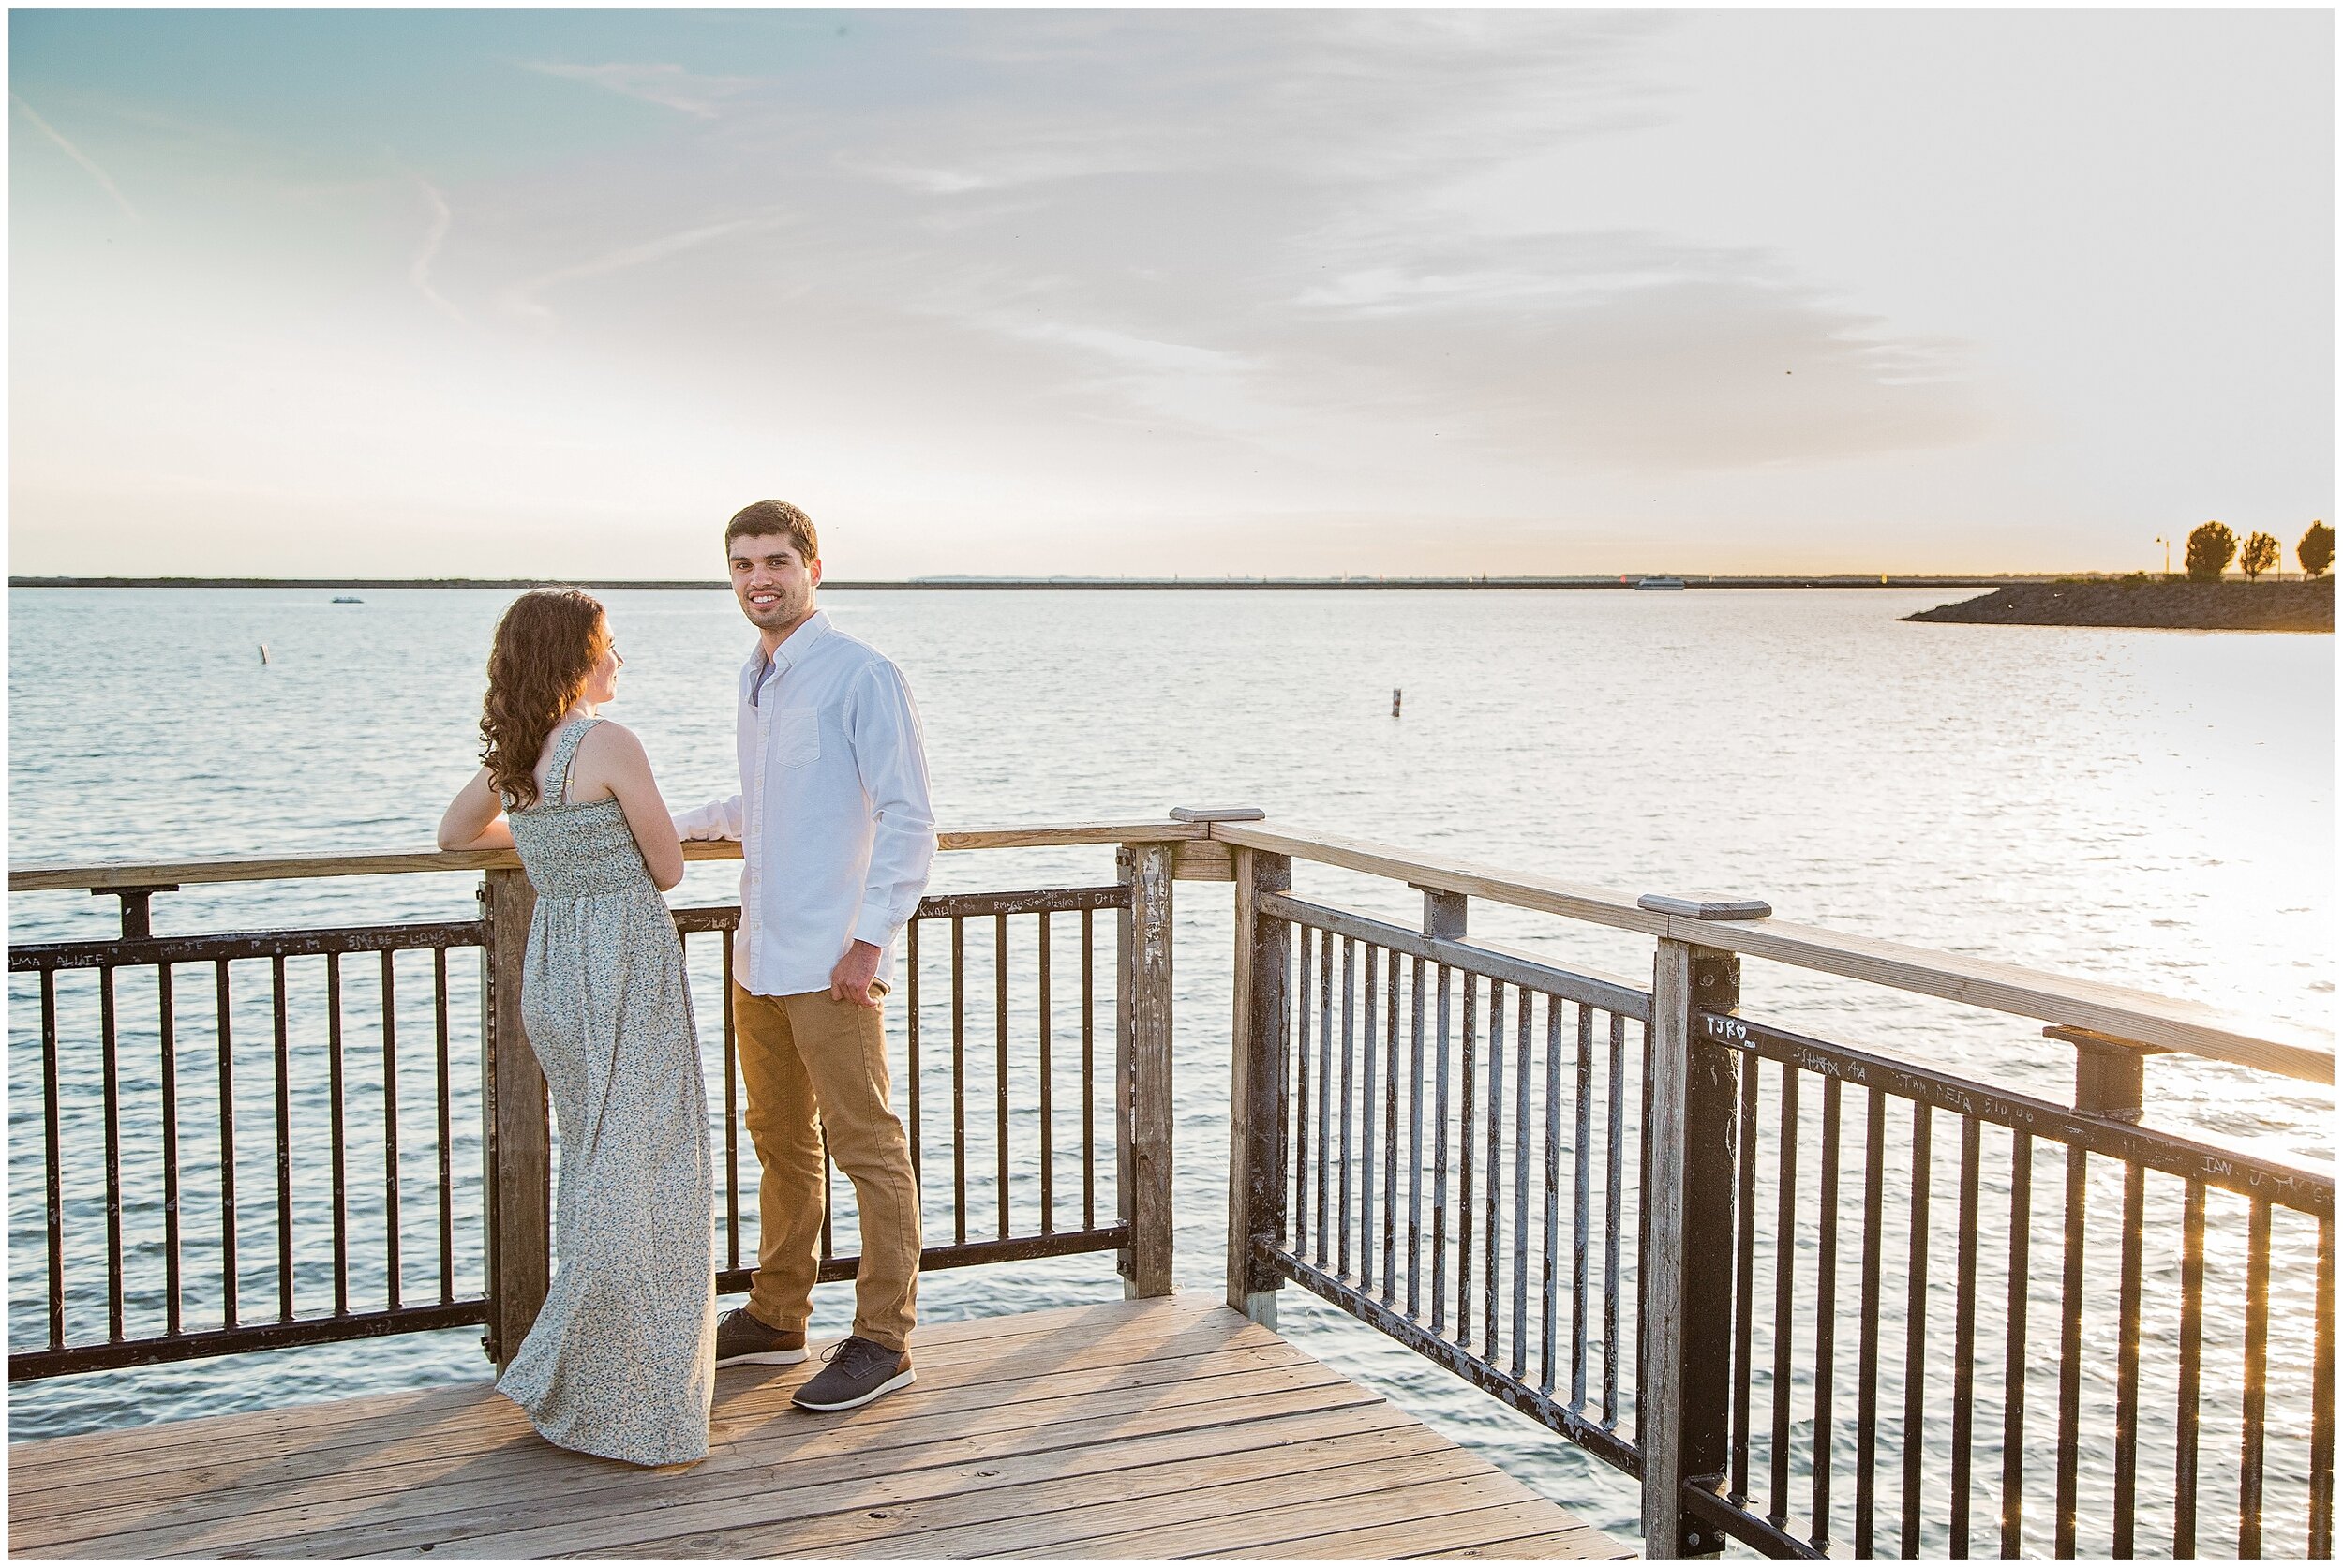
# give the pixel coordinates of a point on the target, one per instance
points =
(899, 1381)
(763, 1358)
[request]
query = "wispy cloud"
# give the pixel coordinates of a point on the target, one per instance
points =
(419, 270)
(521, 298)
(670, 86)
(104, 179)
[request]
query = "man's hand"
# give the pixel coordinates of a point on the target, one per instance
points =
(850, 981)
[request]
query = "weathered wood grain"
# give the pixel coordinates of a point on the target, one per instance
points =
(1147, 1064)
(1046, 1434)
(2134, 1015)
(70, 877)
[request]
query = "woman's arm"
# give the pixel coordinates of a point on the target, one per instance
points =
(475, 819)
(620, 764)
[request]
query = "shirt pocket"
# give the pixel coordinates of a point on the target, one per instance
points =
(797, 737)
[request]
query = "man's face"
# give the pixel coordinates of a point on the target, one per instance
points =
(774, 583)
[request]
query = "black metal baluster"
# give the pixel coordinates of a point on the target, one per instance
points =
(284, 1144)
(1366, 1119)
(1963, 1352)
(1744, 1280)
(2127, 1359)
(1522, 1145)
(732, 1095)
(2013, 1368)
(340, 1134)
(1090, 1138)
(2070, 1354)
(1440, 1159)
(2192, 1361)
(390, 1132)
(226, 1150)
(959, 1080)
(1000, 1068)
(1349, 1023)
(1825, 1313)
(110, 1079)
(168, 1053)
(2322, 1400)
(1415, 1138)
(1548, 1283)
(1325, 1079)
(1584, 1203)
(1389, 1130)
(1464, 1185)
(447, 1189)
(1785, 1289)
(2257, 1389)
(1496, 1168)
(830, 1195)
(1866, 1350)
(54, 1172)
(1615, 1155)
(1049, 1185)
(1301, 1216)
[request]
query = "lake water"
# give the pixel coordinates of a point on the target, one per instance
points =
(2153, 809)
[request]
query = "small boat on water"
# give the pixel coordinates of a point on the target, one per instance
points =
(353, 599)
(1659, 585)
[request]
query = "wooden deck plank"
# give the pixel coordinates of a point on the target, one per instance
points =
(313, 1425)
(1267, 1530)
(571, 1488)
(530, 1527)
(1156, 1336)
(1166, 1427)
(911, 1522)
(509, 1450)
(1466, 1533)
(1178, 1496)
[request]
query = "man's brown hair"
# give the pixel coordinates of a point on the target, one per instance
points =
(761, 517)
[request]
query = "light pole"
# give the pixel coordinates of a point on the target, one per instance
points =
(2168, 553)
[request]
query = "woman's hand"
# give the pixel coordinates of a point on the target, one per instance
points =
(475, 818)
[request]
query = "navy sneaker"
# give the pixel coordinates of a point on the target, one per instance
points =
(741, 1338)
(858, 1371)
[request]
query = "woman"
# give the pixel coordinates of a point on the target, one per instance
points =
(620, 1361)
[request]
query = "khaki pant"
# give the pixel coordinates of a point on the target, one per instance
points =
(802, 1056)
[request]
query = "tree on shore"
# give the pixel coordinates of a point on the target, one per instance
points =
(2316, 550)
(2210, 547)
(2259, 554)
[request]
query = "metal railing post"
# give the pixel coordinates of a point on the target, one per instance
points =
(1144, 1066)
(517, 1147)
(1683, 1410)
(1257, 1088)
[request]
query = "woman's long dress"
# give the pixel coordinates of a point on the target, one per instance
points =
(622, 1360)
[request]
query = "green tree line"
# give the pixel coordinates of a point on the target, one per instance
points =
(2211, 546)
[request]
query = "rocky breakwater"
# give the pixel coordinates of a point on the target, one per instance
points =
(2173, 603)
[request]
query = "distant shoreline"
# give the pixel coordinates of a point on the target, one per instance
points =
(948, 584)
(2150, 604)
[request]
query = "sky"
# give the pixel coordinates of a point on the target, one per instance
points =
(552, 293)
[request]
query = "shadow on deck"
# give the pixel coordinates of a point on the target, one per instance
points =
(1160, 1429)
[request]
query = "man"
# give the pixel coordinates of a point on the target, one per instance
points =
(836, 839)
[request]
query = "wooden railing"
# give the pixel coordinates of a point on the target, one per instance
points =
(144, 1210)
(1561, 1186)
(1662, 1197)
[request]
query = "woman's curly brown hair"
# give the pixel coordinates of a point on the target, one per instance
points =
(546, 645)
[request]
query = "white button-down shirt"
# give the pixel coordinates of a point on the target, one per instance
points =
(836, 832)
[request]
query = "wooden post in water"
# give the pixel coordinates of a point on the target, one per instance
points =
(1687, 1333)
(516, 1149)
(1144, 1066)
(1257, 1088)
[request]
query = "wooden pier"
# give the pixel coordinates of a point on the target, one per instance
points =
(1152, 1429)
(1430, 1132)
